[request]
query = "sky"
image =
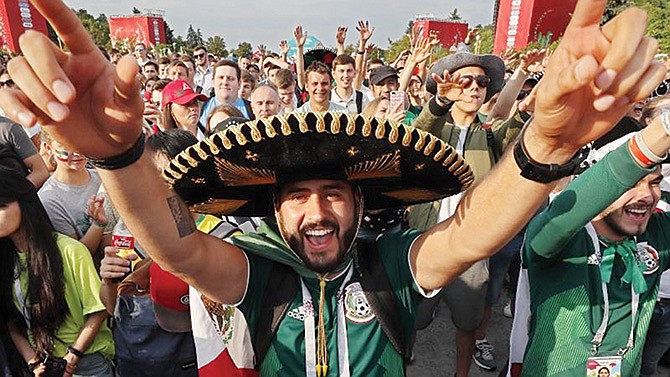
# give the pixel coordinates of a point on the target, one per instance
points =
(269, 21)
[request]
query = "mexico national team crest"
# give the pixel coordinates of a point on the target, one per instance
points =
(647, 258)
(356, 306)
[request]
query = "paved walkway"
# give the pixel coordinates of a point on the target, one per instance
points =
(435, 349)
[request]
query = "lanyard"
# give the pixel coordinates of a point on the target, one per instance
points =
(20, 298)
(635, 302)
(310, 333)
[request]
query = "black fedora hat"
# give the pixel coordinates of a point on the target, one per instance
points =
(234, 172)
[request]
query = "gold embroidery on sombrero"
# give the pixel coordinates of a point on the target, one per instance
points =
(431, 145)
(380, 132)
(239, 136)
(235, 175)
(256, 135)
(384, 166)
(351, 125)
(218, 206)
(421, 142)
(407, 138)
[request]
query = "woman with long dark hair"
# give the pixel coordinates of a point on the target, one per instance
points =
(181, 108)
(49, 289)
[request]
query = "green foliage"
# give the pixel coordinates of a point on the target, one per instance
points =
(97, 27)
(243, 49)
(194, 38)
(395, 48)
(485, 43)
(454, 16)
(216, 45)
(659, 27)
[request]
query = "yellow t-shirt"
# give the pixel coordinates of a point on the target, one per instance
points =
(82, 294)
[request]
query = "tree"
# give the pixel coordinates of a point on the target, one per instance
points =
(243, 49)
(659, 28)
(194, 38)
(216, 45)
(97, 27)
(169, 33)
(454, 16)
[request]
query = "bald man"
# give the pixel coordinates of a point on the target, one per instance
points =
(265, 101)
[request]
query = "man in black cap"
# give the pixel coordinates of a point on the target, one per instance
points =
(323, 169)
(383, 80)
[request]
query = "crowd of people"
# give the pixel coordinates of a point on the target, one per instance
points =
(307, 214)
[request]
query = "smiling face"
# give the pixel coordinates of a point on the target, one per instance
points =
(473, 90)
(318, 86)
(344, 75)
(317, 220)
(66, 159)
(629, 215)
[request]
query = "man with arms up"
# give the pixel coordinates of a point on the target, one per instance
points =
(588, 83)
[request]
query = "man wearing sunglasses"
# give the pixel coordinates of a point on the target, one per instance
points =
(458, 123)
(204, 72)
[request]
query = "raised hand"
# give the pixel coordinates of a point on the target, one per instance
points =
(450, 87)
(532, 61)
(364, 30)
(472, 34)
(594, 76)
(262, 49)
(96, 210)
(283, 46)
(300, 36)
(341, 35)
(422, 50)
(370, 48)
(86, 103)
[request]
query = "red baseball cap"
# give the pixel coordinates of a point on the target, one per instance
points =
(171, 300)
(179, 91)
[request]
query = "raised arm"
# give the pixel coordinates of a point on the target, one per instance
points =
(529, 63)
(365, 33)
(300, 38)
(94, 108)
(590, 82)
(341, 36)
(420, 54)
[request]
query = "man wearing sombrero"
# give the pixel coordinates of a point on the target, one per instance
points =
(317, 172)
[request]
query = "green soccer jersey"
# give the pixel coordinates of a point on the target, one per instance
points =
(370, 352)
(564, 275)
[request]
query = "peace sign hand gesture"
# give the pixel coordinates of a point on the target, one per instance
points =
(86, 103)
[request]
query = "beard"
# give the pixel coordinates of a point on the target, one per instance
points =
(617, 228)
(297, 244)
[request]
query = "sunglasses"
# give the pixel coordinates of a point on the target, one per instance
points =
(199, 56)
(7, 83)
(466, 80)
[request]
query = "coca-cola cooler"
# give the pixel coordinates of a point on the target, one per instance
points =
(148, 29)
(449, 33)
(520, 22)
(17, 16)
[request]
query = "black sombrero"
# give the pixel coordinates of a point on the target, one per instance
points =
(321, 54)
(235, 171)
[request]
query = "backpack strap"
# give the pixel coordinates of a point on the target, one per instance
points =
(359, 101)
(490, 141)
(378, 292)
(283, 285)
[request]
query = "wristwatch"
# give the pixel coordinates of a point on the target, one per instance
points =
(545, 173)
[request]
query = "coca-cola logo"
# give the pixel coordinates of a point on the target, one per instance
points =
(123, 242)
(26, 14)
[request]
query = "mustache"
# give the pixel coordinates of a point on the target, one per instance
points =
(318, 225)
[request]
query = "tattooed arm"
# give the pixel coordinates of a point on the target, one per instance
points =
(164, 226)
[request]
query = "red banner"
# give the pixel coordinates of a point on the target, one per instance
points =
(17, 16)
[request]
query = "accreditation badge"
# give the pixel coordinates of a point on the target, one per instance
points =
(605, 366)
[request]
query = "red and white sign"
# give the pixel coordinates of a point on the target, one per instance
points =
(148, 29)
(17, 16)
(522, 21)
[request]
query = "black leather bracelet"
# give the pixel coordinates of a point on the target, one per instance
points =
(75, 352)
(121, 160)
(544, 173)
